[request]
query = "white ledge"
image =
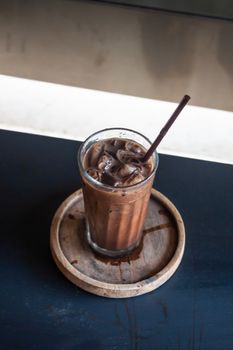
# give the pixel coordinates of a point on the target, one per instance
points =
(74, 113)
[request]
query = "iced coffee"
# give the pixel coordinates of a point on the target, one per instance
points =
(116, 189)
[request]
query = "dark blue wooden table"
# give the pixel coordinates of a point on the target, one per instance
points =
(40, 309)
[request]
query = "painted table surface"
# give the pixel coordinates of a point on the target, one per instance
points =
(41, 309)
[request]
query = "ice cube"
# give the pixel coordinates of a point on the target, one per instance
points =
(109, 179)
(105, 162)
(117, 143)
(146, 169)
(126, 170)
(128, 157)
(134, 148)
(94, 153)
(124, 156)
(94, 173)
(133, 178)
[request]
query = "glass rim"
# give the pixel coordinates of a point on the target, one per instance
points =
(99, 184)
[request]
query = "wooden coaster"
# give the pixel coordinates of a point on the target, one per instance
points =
(147, 268)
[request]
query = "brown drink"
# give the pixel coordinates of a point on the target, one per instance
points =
(116, 189)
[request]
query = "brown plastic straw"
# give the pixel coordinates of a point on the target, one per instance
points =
(166, 127)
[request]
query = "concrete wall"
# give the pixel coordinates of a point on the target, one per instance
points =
(120, 49)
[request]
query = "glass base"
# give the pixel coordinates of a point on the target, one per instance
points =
(110, 253)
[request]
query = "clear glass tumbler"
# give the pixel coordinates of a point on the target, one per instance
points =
(115, 215)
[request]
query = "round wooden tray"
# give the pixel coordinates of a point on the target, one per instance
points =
(147, 268)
